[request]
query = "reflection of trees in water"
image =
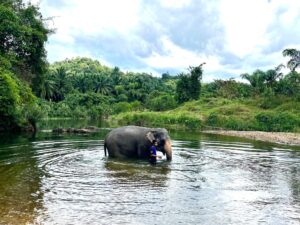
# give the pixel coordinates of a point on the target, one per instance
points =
(133, 173)
(20, 194)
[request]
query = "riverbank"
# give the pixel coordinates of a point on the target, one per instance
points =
(275, 137)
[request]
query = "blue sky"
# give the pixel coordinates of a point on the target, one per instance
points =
(156, 36)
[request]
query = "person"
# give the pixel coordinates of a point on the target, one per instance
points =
(153, 153)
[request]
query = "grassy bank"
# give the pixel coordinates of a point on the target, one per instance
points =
(278, 114)
(159, 119)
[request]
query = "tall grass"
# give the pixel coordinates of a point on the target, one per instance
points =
(156, 119)
(218, 113)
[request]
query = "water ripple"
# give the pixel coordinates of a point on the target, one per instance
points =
(209, 181)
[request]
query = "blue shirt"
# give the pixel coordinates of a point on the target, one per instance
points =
(152, 150)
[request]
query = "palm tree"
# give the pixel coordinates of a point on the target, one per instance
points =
(294, 54)
(271, 76)
(62, 83)
(49, 86)
(256, 80)
(102, 84)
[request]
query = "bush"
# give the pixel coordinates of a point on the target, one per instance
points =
(230, 122)
(272, 121)
(9, 101)
(32, 113)
(121, 107)
(86, 99)
(136, 105)
(18, 105)
(159, 120)
(162, 103)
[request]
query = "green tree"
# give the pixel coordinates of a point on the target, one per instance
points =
(189, 85)
(256, 80)
(17, 103)
(183, 88)
(195, 81)
(101, 84)
(162, 103)
(294, 54)
(9, 101)
(23, 34)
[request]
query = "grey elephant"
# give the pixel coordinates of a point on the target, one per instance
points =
(134, 142)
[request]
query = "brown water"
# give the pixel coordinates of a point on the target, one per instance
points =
(65, 179)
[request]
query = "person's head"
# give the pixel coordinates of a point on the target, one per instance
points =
(155, 143)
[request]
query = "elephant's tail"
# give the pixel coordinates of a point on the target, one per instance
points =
(105, 153)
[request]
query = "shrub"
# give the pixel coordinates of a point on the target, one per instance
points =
(272, 121)
(9, 100)
(159, 120)
(162, 103)
(121, 107)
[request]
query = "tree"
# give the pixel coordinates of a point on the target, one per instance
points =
(101, 84)
(272, 76)
(196, 77)
(9, 100)
(17, 102)
(47, 88)
(294, 54)
(23, 35)
(256, 80)
(183, 88)
(62, 83)
(189, 85)
(261, 81)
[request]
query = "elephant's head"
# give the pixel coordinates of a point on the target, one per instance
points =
(164, 142)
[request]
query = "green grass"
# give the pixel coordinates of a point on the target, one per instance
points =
(276, 114)
(160, 119)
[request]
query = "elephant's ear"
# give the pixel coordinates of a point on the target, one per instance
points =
(150, 136)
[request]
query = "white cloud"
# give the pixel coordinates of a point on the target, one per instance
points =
(133, 31)
(245, 24)
(91, 18)
(177, 57)
(176, 4)
(59, 53)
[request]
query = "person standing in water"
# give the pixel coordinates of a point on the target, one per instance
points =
(153, 153)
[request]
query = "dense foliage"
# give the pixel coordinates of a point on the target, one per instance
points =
(22, 38)
(188, 85)
(76, 83)
(17, 103)
(22, 62)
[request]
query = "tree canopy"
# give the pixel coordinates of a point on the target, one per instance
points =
(23, 35)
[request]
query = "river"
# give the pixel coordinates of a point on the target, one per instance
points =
(66, 179)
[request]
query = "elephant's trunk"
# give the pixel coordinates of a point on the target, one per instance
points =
(168, 149)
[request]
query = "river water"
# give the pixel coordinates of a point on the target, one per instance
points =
(66, 179)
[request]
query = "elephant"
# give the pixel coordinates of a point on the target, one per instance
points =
(135, 141)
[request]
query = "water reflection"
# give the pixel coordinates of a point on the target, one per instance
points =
(137, 173)
(20, 184)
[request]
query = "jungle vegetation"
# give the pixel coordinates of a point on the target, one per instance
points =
(32, 89)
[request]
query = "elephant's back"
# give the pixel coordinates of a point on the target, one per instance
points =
(128, 131)
(124, 139)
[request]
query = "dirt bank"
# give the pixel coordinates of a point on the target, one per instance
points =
(276, 137)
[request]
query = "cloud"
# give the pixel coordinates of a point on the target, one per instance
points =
(175, 4)
(231, 36)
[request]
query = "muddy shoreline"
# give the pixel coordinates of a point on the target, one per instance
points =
(274, 137)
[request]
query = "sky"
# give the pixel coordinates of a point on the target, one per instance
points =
(156, 36)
